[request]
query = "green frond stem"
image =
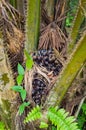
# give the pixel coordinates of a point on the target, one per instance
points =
(80, 15)
(32, 24)
(68, 74)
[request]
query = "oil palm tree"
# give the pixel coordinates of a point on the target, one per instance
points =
(16, 37)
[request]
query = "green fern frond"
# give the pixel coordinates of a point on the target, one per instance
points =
(60, 119)
(34, 114)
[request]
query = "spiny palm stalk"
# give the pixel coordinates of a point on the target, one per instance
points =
(53, 37)
(75, 62)
(80, 15)
(32, 24)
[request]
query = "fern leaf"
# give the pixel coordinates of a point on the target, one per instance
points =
(33, 115)
(43, 125)
(60, 119)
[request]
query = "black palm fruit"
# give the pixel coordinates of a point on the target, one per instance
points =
(39, 86)
(47, 59)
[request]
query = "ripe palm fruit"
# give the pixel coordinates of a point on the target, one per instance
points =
(47, 59)
(39, 86)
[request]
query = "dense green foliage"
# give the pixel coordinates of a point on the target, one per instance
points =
(61, 119)
(58, 117)
(82, 117)
(71, 12)
(2, 126)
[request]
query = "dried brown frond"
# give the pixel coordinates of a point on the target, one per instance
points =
(44, 17)
(42, 75)
(60, 10)
(52, 37)
(12, 32)
(8, 12)
(15, 38)
(13, 42)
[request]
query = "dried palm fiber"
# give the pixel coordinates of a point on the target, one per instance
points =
(10, 13)
(51, 33)
(60, 12)
(36, 93)
(10, 27)
(52, 37)
(45, 19)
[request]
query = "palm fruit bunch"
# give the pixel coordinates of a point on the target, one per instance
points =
(40, 85)
(48, 60)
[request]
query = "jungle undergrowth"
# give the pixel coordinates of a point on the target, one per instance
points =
(82, 117)
(19, 88)
(2, 126)
(58, 117)
(71, 13)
